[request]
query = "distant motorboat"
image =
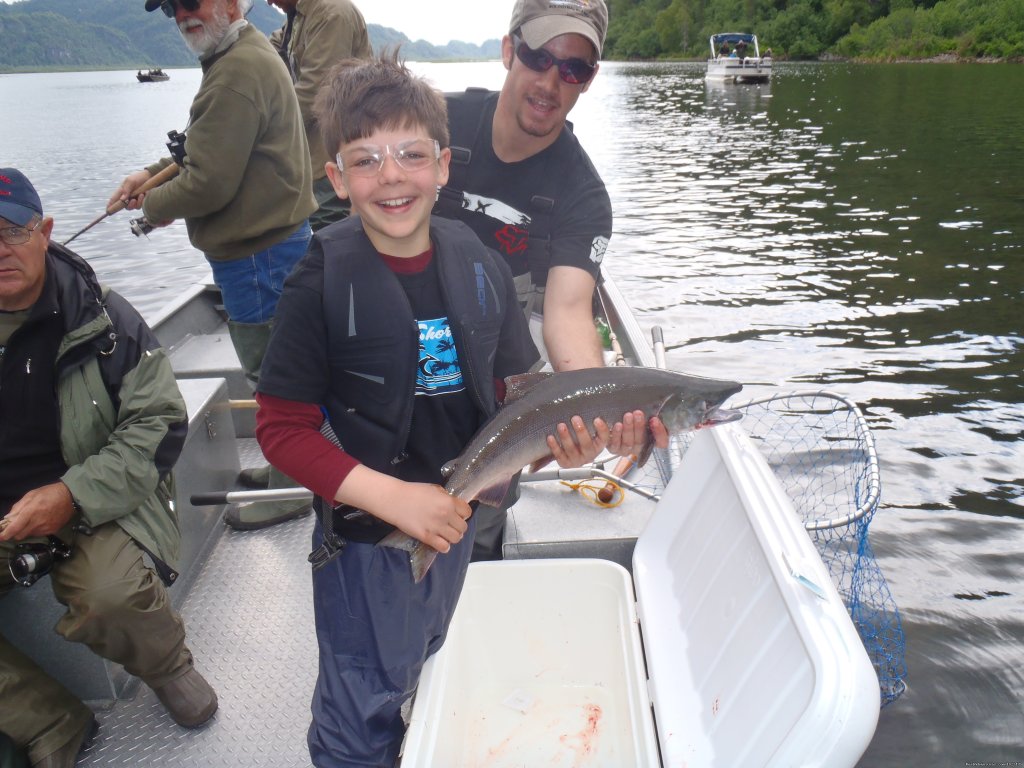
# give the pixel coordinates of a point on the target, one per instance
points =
(152, 76)
(730, 63)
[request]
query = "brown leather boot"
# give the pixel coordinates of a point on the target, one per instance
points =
(67, 756)
(189, 699)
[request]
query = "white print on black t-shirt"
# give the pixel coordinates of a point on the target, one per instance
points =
(496, 209)
(439, 372)
(597, 249)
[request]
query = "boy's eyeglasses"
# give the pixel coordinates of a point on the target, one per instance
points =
(17, 235)
(170, 7)
(367, 160)
(574, 71)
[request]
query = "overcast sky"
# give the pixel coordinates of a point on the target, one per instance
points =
(440, 21)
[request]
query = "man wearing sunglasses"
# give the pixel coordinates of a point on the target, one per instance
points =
(244, 188)
(520, 178)
(316, 35)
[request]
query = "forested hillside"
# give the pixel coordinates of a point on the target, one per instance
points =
(809, 29)
(84, 34)
(69, 34)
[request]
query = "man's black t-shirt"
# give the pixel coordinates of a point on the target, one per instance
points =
(497, 197)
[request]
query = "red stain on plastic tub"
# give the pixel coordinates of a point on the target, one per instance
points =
(584, 743)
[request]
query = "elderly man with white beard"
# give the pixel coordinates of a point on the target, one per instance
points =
(244, 187)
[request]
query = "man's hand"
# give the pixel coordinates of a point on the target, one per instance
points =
(629, 435)
(39, 512)
(574, 446)
(126, 192)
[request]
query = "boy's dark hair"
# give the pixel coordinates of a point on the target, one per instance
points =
(361, 96)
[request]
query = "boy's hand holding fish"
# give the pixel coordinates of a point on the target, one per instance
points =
(426, 512)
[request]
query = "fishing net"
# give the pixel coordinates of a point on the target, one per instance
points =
(821, 449)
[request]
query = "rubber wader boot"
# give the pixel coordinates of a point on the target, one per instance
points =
(189, 699)
(250, 342)
(255, 477)
(261, 514)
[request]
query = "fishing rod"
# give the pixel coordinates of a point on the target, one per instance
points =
(620, 359)
(155, 181)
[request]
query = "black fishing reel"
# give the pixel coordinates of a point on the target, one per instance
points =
(33, 560)
(140, 226)
(176, 146)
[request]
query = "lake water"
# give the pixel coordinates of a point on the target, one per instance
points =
(855, 228)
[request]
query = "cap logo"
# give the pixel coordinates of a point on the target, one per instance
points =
(579, 6)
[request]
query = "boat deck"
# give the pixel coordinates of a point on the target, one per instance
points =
(247, 604)
(249, 618)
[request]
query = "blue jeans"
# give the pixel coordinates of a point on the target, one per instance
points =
(252, 285)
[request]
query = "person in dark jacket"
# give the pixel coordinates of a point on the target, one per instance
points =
(396, 326)
(91, 423)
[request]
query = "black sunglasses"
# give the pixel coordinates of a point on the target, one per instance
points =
(574, 71)
(170, 7)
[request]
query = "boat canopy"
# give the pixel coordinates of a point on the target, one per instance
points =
(732, 38)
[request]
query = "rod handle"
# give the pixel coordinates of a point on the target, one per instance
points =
(166, 174)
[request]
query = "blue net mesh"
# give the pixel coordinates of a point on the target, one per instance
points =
(821, 449)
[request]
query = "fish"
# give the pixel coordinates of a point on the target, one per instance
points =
(535, 403)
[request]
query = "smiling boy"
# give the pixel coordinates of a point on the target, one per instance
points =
(395, 326)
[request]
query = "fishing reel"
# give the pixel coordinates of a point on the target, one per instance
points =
(140, 226)
(33, 560)
(176, 146)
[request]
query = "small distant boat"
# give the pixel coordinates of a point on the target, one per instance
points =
(736, 58)
(152, 76)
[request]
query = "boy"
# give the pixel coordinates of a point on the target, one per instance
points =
(395, 325)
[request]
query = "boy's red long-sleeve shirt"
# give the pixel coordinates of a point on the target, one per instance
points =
(290, 430)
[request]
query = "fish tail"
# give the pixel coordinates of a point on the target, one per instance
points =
(421, 556)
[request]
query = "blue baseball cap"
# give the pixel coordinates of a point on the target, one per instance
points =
(19, 202)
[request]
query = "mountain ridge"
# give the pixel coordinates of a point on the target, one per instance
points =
(104, 34)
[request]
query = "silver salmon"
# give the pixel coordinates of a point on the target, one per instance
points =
(536, 403)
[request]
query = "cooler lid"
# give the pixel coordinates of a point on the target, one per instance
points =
(732, 599)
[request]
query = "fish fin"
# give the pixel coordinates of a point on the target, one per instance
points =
(495, 494)
(517, 386)
(421, 556)
(400, 540)
(645, 450)
(539, 464)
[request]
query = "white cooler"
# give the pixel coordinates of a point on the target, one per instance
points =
(736, 652)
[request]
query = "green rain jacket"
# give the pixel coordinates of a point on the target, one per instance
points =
(123, 421)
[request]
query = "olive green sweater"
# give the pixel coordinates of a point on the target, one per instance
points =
(246, 183)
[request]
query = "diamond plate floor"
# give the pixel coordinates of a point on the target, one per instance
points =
(249, 620)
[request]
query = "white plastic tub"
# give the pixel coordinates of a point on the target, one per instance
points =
(752, 658)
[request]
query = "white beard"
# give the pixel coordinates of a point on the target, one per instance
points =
(203, 42)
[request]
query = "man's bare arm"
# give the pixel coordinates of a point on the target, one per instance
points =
(570, 335)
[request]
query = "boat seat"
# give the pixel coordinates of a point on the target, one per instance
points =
(210, 463)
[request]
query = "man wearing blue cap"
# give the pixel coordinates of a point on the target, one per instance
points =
(91, 423)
